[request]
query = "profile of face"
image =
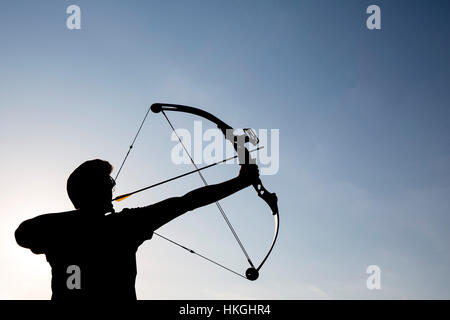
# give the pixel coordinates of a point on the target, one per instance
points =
(99, 195)
(90, 186)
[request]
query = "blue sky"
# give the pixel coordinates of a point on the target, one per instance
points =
(363, 118)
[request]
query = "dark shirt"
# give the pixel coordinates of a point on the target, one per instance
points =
(103, 247)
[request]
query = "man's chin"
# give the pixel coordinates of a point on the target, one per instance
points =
(109, 208)
(106, 208)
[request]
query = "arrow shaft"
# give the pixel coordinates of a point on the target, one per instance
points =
(126, 195)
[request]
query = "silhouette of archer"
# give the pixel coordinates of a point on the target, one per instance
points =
(101, 246)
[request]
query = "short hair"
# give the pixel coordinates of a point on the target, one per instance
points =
(82, 181)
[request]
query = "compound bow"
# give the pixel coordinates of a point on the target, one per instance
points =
(243, 154)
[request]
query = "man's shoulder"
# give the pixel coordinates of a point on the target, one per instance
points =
(130, 211)
(57, 215)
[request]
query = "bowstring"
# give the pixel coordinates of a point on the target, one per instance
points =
(131, 145)
(198, 254)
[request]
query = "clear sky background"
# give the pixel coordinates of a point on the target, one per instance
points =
(364, 137)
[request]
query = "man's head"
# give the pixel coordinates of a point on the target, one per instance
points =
(90, 186)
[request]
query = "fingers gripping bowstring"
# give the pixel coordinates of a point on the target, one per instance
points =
(217, 202)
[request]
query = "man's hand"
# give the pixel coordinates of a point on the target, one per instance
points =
(248, 174)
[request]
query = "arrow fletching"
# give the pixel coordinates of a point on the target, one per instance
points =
(122, 197)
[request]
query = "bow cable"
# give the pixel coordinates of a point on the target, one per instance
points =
(131, 146)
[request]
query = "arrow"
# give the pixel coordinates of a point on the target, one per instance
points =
(126, 195)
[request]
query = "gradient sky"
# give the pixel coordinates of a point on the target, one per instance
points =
(364, 137)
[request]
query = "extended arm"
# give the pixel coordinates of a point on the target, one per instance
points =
(167, 210)
(209, 194)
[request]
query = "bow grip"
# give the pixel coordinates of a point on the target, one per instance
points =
(269, 197)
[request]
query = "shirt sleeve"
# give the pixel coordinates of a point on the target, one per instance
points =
(38, 233)
(142, 221)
